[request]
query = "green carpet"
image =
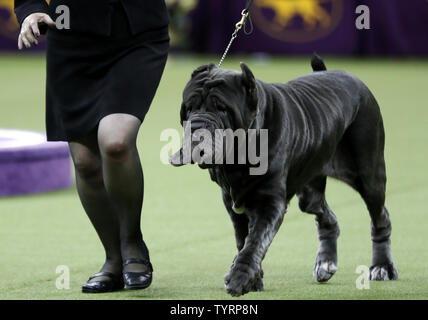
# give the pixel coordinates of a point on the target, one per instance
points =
(184, 223)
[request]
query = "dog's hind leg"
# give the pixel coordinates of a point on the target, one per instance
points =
(370, 183)
(359, 161)
(312, 200)
(373, 193)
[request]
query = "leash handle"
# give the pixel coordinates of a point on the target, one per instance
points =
(245, 14)
(248, 6)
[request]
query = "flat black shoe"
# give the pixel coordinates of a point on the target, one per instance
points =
(113, 283)
(138, 280)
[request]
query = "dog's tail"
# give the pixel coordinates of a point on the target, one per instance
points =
(317, 63)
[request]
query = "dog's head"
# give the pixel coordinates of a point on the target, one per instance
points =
(214, 98)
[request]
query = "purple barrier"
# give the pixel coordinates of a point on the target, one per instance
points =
(29, 164)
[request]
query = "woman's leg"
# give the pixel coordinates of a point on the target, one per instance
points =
(123, 179)
(94, 198)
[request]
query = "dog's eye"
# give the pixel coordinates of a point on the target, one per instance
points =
(194, 100)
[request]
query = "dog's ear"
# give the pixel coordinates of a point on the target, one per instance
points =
(248, 79)
(205, 68)
(249, 82)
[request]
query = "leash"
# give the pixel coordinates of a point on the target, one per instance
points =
(245, 14)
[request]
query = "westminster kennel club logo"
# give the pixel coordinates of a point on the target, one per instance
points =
(297, 20)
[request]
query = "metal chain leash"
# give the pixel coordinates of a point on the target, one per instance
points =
(245, 15)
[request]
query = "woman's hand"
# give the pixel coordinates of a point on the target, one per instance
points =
(30, 29)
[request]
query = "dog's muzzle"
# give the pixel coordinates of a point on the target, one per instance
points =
(199, 144)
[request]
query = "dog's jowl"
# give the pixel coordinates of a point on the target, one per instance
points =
(325, 124)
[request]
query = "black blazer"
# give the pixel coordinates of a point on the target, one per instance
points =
(93, 16)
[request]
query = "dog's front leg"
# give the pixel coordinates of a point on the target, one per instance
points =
(265, 218)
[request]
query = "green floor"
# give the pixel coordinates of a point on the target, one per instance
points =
(188, 231)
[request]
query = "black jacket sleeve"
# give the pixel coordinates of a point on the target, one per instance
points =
(23, 8)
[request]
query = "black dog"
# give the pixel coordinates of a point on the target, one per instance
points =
(323, 124)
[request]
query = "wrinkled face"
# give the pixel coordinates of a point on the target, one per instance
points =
(214, 99)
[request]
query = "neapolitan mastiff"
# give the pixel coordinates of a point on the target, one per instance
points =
(324, 124)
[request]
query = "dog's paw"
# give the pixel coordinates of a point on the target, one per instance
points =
(324, 270)
(383, 272)
(258, 283)
(242, 279)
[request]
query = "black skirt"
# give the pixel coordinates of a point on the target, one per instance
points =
(90, 77)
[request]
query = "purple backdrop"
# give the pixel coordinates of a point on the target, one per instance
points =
(9, 28)
(327, 26)
(292, 26)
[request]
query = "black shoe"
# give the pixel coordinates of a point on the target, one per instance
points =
(138, 280)
(113, 283)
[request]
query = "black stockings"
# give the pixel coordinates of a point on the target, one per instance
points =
(110, 184)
